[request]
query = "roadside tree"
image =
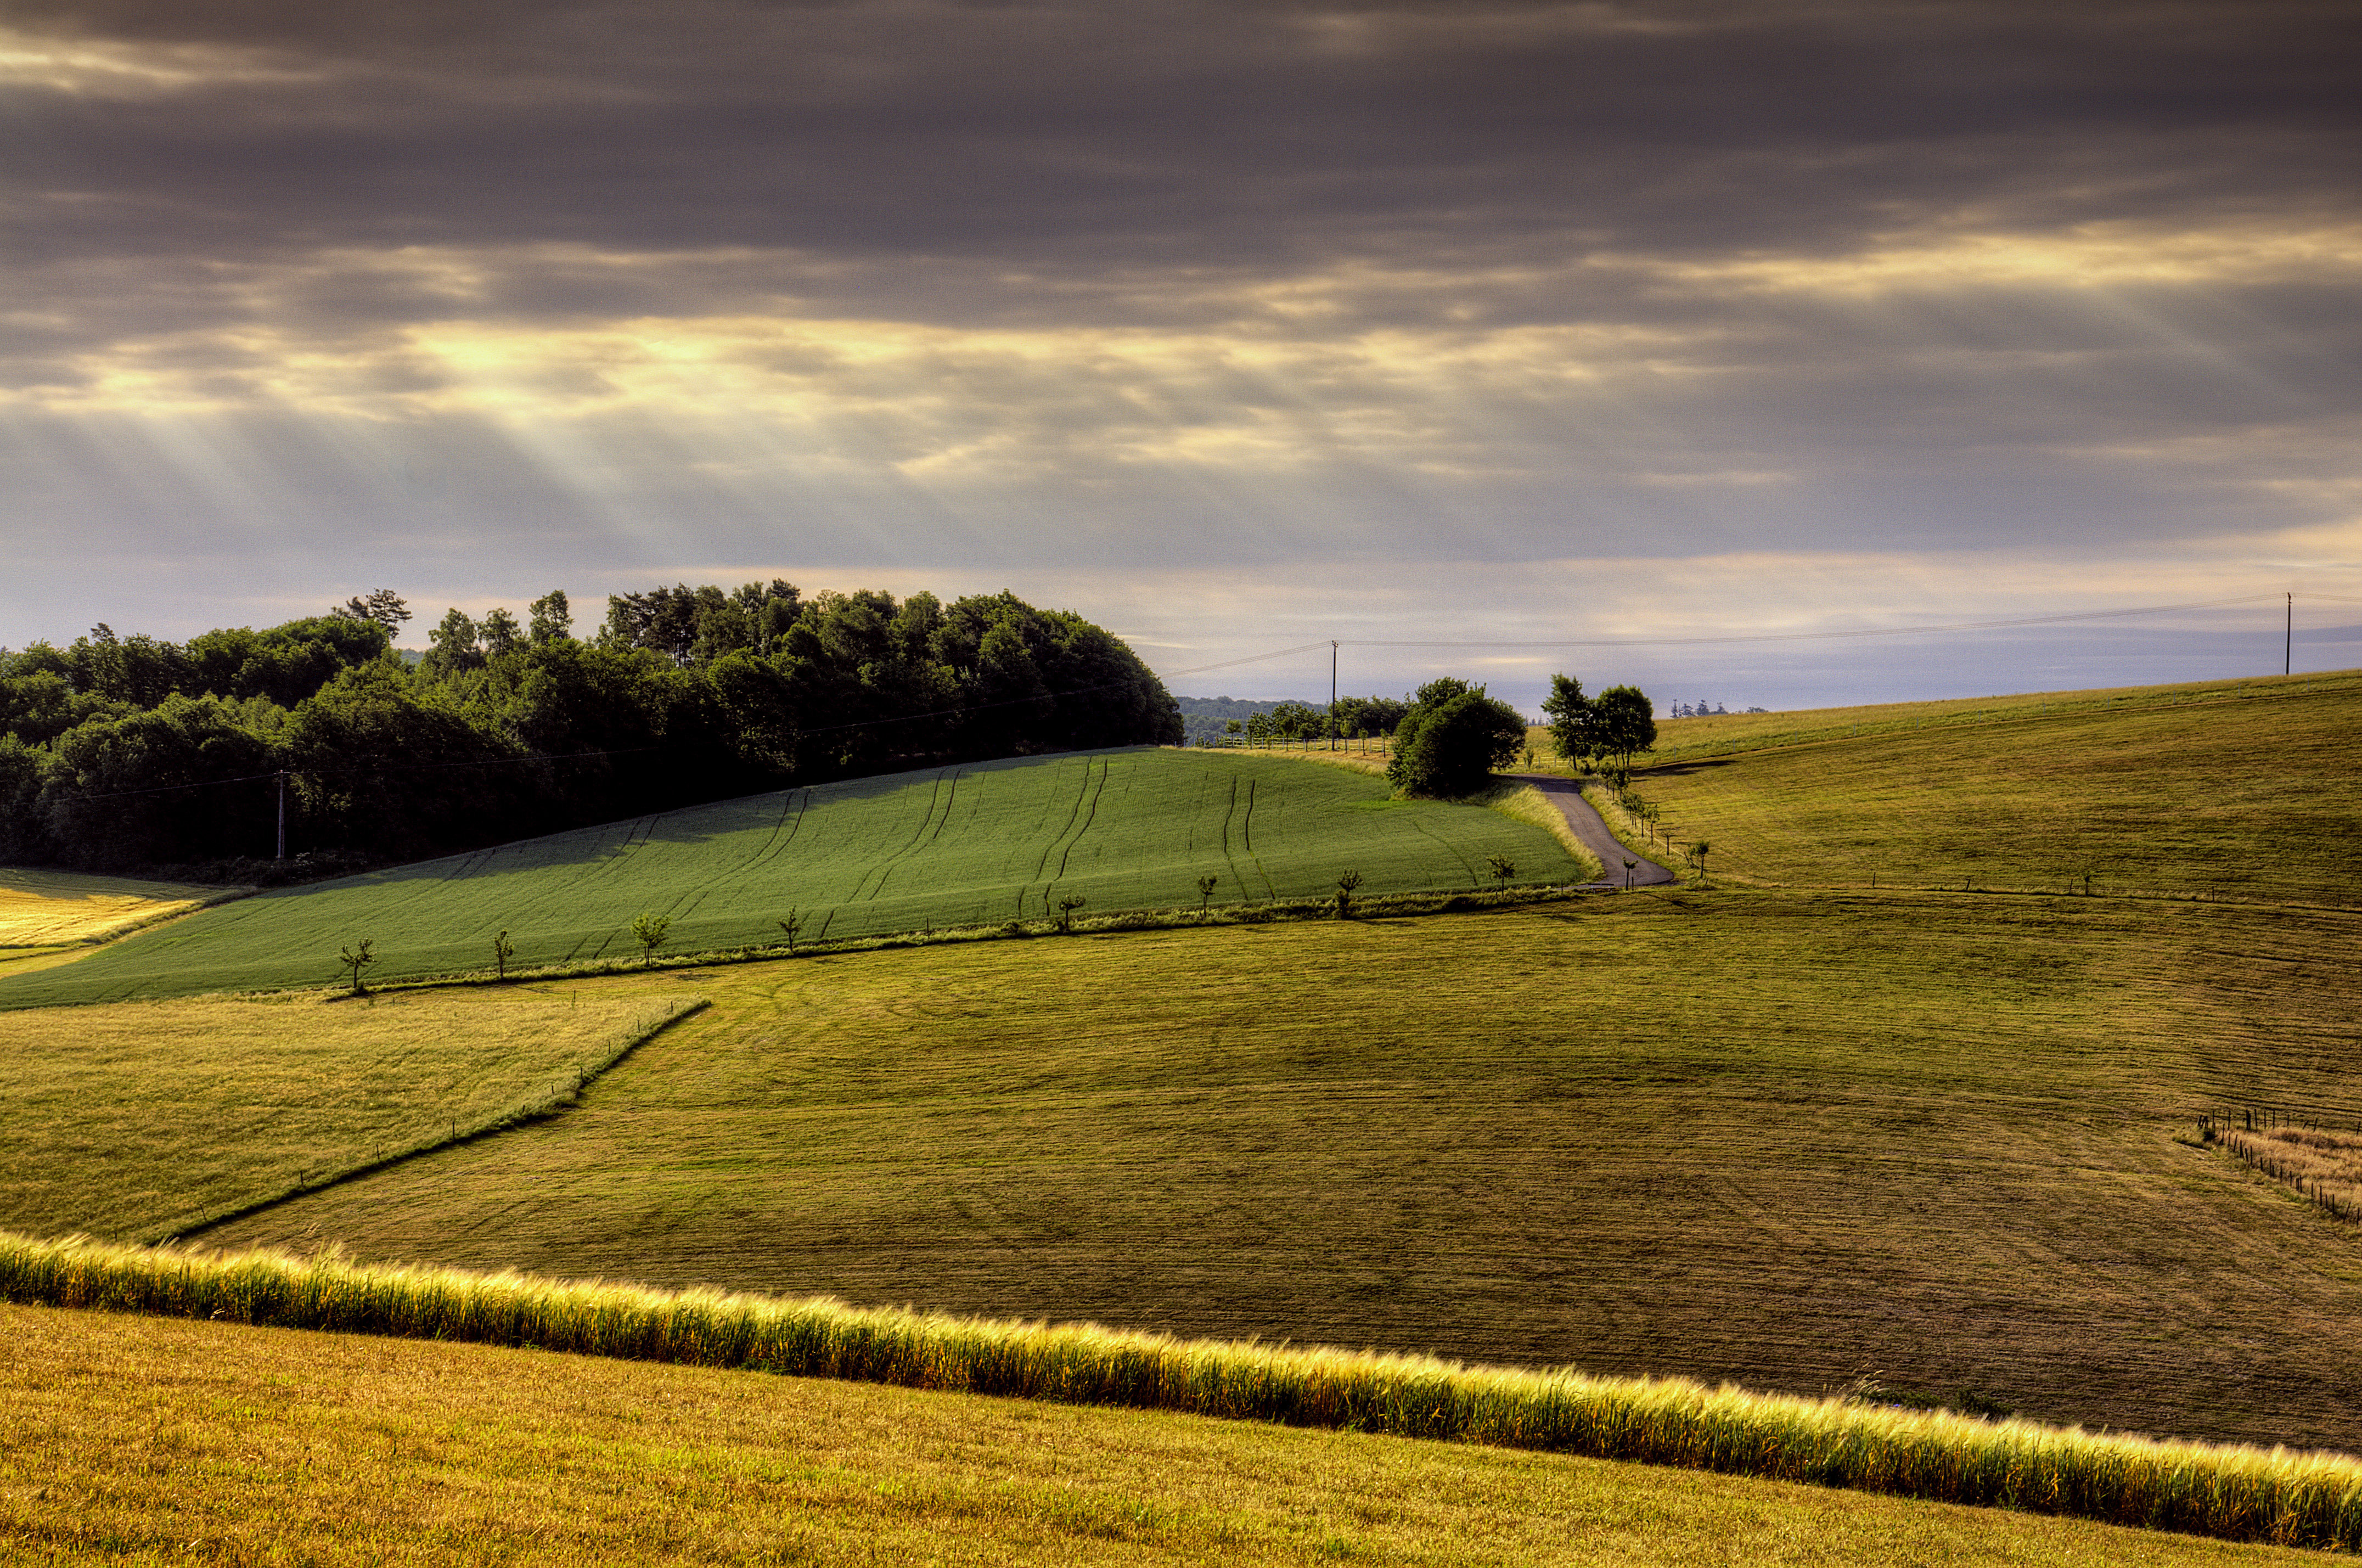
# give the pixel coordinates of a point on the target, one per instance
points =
(1573, 722)
(1624, 721)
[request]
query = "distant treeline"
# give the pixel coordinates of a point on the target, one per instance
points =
(123, 752)
(1208, 719)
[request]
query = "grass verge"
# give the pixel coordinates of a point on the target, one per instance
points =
(2307, 1500)
(1523, 802)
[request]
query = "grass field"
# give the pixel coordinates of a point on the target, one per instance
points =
(141, 1118)
(2254, 797)
(1793, 1131)
(48, 918)
(147, 1440)
(1787, 1138)
(958, 846)
(1726, 734)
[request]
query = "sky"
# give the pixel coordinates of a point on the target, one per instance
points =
(1628, 329)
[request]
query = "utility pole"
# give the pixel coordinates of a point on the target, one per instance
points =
(282, 813)
(1332, 694)
(2288, 649)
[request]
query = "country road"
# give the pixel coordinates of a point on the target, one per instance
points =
(1568, 796)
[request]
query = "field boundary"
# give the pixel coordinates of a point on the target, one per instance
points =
(549, 1105)
(180, 909)
(2232, 1493)
(1171, 918)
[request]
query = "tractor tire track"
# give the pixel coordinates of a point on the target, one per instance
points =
(887, 868)
(1246, 837)
(1041, 867)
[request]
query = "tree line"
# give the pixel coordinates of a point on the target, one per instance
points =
(124, 752)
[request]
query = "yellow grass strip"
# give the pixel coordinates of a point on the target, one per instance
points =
(1523, 802)
(2245, 1494)
(57, 909)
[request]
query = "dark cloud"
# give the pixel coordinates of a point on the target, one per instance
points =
(1181, 136)
(1350, 283)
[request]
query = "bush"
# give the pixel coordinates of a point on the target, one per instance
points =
(1453, 747)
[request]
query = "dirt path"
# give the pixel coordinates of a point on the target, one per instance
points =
(1568, 796)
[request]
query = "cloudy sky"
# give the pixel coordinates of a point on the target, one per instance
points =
(1233, 326)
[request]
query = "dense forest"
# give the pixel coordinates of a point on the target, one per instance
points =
(130, 752)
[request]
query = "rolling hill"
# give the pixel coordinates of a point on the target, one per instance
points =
(1789, 1128)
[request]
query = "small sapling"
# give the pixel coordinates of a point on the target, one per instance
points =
(1346, 887)
(648, 929)
(357, 959)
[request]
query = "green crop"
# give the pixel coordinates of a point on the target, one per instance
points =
(975, 845)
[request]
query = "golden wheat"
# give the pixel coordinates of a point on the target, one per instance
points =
(2245, 1494)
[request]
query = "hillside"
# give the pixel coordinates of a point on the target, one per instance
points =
(1794, 1135)
(972, 845)
(141, 1119)
(1791, 1140)
(139, 1439)
(2246, 792)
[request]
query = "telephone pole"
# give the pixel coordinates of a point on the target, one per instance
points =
(2288, 649)
(282, 813)
(1332, 694)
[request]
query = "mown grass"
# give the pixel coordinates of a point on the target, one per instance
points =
(2251, 796)
(143, 1119)
(969, 847)
(151, 1441)
(49, 918)
(60, 909)
(1785, 1138)
(2312, 1500)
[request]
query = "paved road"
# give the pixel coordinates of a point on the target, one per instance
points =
(1568, 795)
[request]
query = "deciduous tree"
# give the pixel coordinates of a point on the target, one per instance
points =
(1452, 746)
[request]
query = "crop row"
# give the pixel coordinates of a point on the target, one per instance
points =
(2301, 1499)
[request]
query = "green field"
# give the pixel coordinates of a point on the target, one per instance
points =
(1727, 735)
(2256, 798)
(974, 845)
(138, 1119)
(144, 1440)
